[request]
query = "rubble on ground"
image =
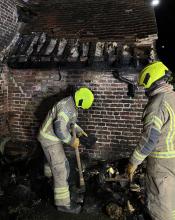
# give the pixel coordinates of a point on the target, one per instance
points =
(24, 190)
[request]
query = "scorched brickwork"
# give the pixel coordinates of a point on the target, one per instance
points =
(3, 101)
(115, 118)
(8, 22)
(37, 78)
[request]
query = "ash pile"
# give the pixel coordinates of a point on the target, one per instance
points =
(25, 193)
(109, 190)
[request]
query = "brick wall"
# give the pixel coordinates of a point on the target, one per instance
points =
(8, 22)
(3, 101)
(114, 118)
(26, 95)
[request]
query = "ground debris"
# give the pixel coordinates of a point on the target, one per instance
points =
(115, 211)
(26, 194)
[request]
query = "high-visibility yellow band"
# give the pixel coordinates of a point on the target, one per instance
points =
(67, 140)
(173, 214)
(158, 122)
(61, 193)
(49, 137)
(138, 156)
(47, 124)
(171, 133)
(47, 170)
(153, 119)
(148, 118)
(76, 126)
(61, 189)
(62, 114)
(168, 139)
(46, 135)
(62, 196)
(166, 154)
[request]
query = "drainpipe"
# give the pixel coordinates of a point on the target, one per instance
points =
(131, 85)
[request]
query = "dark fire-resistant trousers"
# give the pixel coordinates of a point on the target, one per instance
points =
(160, 188)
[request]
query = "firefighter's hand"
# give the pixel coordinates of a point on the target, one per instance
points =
(75, 143)
(131, 170)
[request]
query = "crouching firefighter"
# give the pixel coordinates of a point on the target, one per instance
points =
(157, 142)
(54, 132)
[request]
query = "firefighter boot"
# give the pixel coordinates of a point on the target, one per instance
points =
(72, 208)
(77, 197)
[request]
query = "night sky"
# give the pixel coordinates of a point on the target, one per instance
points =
(165, 17)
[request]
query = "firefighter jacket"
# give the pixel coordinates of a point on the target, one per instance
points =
(56, 126)
(158, 136)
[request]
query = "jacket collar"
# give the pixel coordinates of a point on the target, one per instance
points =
(72, 101)
(161, 88)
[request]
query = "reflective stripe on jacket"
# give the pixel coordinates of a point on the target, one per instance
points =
(56, 126)
(158, 136)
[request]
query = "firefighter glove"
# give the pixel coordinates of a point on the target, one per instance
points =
(75, 143)
(131, 170)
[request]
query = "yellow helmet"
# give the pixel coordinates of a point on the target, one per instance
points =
(84, 98)
(151, 73)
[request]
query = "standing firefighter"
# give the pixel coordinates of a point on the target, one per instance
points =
(55, 131)
(157, 142)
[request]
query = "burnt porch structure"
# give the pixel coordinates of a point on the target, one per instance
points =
(82, 43)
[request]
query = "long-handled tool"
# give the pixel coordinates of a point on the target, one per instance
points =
(77, 153)
(82, 182)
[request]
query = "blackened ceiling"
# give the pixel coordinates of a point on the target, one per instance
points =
(106, 31)
(99, 19)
